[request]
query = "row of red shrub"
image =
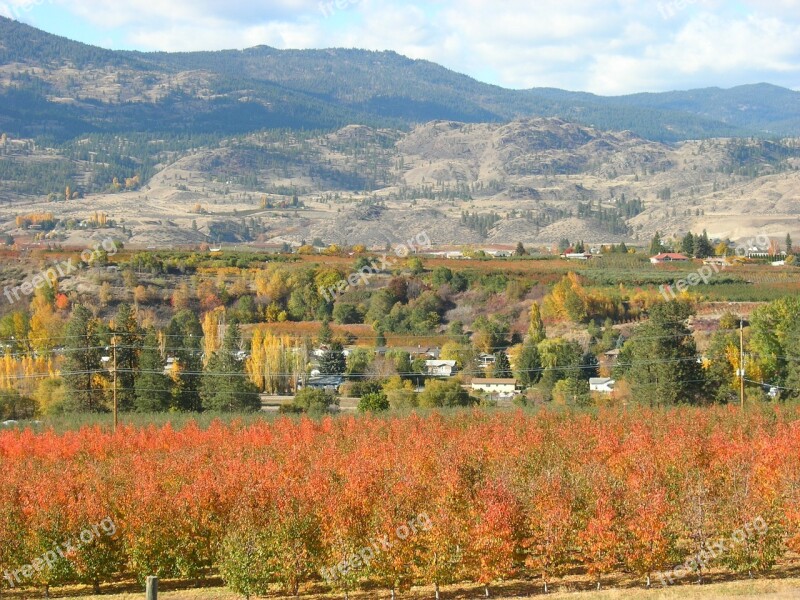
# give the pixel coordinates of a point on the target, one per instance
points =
(499, 495)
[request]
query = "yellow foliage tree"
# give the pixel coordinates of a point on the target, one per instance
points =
(45, 324)
(213, 332)
(276, 363)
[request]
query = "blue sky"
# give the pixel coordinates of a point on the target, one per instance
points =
(606, 47)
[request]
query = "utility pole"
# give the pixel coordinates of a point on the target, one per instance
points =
(114, 367)
(741, 361)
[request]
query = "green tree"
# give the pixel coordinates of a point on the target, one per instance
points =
(502, 367)
(703, 248)
(529, 365)
(325, 334)
(375, 402)
(656, 246)
(722, 379)
(14, 405)
(127, 333)
(789, 245)
(333, 361)
(314, 402)
(346, 314)
(536, 331)
(687, 244)
(415, 265)
(520, 250)
(590, 366)
(561, 359)
(184, 337)
(664, 369)
(82, 370)
(225, 386)
(152, 388)
(444, 393)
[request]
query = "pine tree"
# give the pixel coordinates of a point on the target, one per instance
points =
(128, 346)
(82, 368)
(520, 250)
(502, 368)
(333, 362)
(152, 387)
(687, 244)
(225, 386)
(663, 358)
(703, 247)
(656, 246)
(325, 334)
(789, 245)
(184, 337)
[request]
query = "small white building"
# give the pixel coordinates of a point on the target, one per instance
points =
(601, 385)
(487, 359)
(440, 368)
(502, 388)
(668, 257)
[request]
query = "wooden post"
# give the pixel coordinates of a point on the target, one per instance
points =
(152, 588)
(741, 362)
(114, 367)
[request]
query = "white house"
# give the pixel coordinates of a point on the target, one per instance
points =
(602, 385)
(440, 368)
(503, 388)
(668, 257)
(487, 359)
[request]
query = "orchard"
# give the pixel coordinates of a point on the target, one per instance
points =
(278, 506)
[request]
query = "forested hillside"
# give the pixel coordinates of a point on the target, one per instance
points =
(59, 88)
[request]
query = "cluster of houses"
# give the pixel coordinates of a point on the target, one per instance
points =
(437, 368)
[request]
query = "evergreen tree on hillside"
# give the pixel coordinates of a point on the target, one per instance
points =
(333, 362)
(660, 359)
(184, 337)
(128, 346)
(502, 367)
(656, 246)
(152, 388)
(82, 369)
(703, 247)
(687, 244)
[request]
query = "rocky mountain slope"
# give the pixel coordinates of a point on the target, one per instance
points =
(534, 180)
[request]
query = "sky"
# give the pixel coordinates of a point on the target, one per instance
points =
(606, 47)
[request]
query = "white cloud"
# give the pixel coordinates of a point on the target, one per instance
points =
(604, 46)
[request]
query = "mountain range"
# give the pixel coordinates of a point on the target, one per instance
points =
(350, 146)
(58, 88)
